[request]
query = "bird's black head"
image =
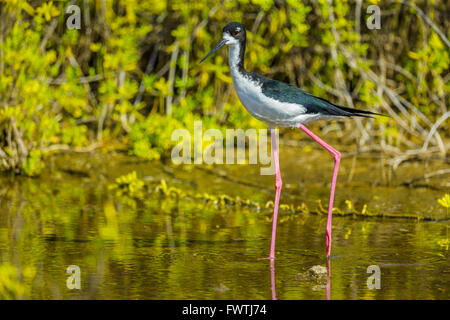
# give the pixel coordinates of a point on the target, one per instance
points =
(236, 31)
(233, 34)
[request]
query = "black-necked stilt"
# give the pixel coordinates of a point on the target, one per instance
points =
(281, 104)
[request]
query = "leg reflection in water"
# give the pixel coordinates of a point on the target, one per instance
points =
(328, 288)
(272, 280)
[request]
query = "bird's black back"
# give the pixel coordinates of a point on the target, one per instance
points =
(285, 92)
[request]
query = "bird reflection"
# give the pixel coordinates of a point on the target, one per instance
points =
(328, 288)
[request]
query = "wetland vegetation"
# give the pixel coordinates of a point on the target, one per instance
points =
(86, 123)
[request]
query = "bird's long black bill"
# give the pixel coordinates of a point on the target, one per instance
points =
(220, 45)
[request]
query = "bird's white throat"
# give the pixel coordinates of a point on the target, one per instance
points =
(234, 57)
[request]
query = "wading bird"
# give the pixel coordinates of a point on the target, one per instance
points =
(284, 105)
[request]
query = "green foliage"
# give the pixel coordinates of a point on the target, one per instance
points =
(33, 163)
(151, 138)
(129, 184)
(33, 112)
(131, 73)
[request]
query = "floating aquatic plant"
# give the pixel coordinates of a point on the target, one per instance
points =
(445, 201)
(129, 184)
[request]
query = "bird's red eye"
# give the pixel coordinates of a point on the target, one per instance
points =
(235, 32)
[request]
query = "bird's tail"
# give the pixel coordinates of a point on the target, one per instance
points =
(360, 113)
(339, 110)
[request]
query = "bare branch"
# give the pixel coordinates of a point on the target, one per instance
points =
(428, 20)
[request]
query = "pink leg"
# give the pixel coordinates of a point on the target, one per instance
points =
(337, 159)
(278, 185)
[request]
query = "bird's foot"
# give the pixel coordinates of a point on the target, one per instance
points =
(267, 258)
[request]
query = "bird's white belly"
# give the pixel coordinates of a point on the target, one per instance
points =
(267, 109)
(264, 108)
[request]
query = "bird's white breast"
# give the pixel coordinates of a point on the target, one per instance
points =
(260, 106)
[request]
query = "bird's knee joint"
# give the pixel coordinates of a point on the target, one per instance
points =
(337, 156)
(278, 184)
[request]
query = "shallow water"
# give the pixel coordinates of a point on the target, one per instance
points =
(166, 247)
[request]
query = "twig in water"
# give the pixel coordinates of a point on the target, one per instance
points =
(427, 176)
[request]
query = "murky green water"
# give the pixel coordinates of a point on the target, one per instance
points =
(167, 247)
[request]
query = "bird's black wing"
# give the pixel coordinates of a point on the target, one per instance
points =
(314, 105)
